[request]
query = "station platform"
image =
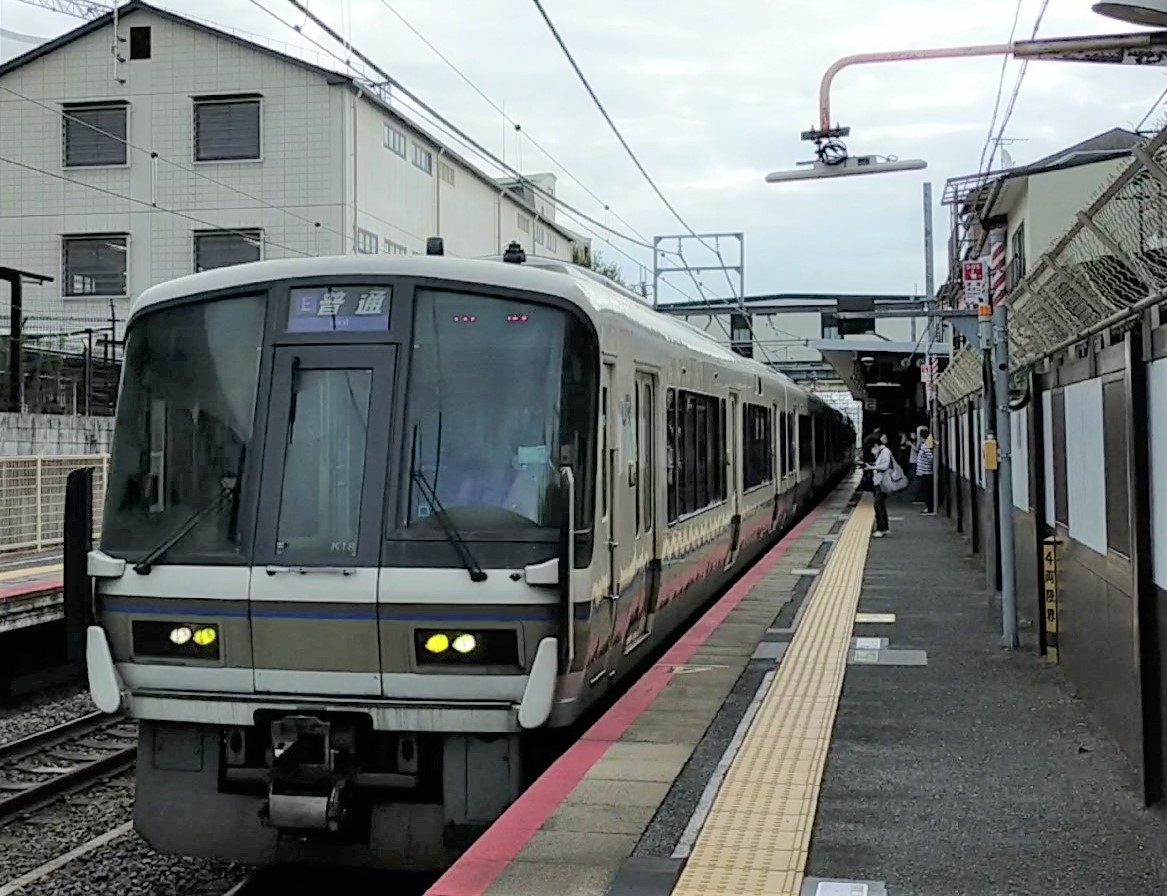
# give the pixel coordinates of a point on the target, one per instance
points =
(842, 722)
(30, 590)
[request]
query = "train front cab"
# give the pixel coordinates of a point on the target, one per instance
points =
(332, 650)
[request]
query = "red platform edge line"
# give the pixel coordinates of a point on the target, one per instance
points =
(474, 872)
(33, 588)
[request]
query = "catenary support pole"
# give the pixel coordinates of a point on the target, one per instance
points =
(935, 322)
(1005, 476)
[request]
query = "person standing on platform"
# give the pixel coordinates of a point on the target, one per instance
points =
(879, 470)
(925, 466)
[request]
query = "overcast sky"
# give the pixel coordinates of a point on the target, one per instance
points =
(713, 96)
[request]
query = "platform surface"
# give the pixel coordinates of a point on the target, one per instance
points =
(852, 731)
(30, 590)
(576, 828)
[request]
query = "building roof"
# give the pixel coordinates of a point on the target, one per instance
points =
(329, 75)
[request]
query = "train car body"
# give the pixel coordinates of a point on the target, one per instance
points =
(375, 525)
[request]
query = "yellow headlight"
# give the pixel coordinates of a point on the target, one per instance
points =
(437, 643)
(205, 636)
(465, 643)
(180, 635)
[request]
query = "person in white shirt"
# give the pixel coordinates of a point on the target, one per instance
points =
(879, 469)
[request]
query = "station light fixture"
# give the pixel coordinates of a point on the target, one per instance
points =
(1152, 13)
(849, 167)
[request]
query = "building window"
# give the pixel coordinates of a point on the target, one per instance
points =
(95, 264)
(695, 448)
(423, 158)
(95, 135)
(552, 242)
(367, 242)
(740, 336)
(540, 234)
(223, 248)
(524, 223)
(446, 173)
(757, 446)
(395, 140)
(392, 248)
(140, 42)
(1015, 271)
(226, 130)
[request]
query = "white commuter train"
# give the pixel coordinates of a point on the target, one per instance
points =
(376, 526)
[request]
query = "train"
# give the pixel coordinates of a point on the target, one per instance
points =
(377, 529)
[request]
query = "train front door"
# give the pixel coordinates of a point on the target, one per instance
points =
(314, 585)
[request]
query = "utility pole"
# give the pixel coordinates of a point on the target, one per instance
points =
(935, 322)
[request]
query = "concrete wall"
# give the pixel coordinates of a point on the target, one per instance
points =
(56, 434)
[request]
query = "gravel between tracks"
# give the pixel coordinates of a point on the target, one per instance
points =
(128, 867)
(65, 825)
(49, 708)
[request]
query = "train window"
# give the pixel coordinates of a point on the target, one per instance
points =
(791, 457)
(605, 461)
(501, 394)
(645, 456)
(184, 421)
(805, 441)
(324, 465)
(697, 436)
(783, 453)
(757, 447)
(649, 456)
(671, 453)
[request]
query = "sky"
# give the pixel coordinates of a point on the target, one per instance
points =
(712, 97)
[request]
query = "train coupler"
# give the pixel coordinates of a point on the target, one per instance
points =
(310, 788)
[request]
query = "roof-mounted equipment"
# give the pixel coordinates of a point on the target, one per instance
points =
(514, 253)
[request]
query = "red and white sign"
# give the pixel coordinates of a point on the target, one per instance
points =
(975, 277)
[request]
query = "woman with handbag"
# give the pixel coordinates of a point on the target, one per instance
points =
(880, 470)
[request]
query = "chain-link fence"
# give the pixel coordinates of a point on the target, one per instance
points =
(1110, 265)
(32, 498)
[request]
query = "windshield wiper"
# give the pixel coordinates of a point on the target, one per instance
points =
(228, 486)
(477, 574)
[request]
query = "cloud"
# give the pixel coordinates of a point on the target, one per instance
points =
(712, 98)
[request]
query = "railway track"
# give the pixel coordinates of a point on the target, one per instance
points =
(43, 767)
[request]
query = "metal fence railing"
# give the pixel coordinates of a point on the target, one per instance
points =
(32, 498)
(1108, 267)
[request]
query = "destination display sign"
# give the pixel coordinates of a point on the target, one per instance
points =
(352, 309)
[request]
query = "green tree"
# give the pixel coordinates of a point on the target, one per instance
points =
(582, 256)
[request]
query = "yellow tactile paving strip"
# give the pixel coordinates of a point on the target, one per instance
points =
(29, 572)
(756, 837)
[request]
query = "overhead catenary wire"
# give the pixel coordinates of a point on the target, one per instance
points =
(1016, 86)
(473, 86)
(644, 172)
(422, 109)
(64, 115)
(147, 204)
(1000, 87)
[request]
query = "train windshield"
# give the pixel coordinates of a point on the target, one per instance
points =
(500, 393)
(183, 428)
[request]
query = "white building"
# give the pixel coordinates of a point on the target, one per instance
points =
(136, 155)
(1034, 203)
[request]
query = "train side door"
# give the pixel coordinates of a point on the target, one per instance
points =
(318, 539)
(642, 475)
(732, 475)
(604, 615)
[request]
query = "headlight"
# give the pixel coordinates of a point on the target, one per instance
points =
(169, 640)
(465, 643)
(458, 647)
